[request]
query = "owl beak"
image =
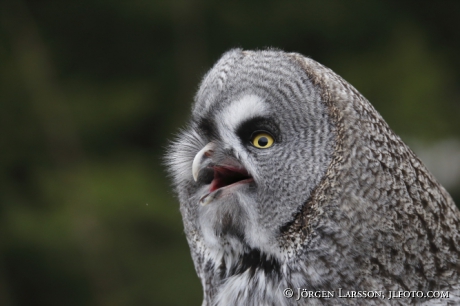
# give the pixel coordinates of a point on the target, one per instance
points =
(200, 157)
(219, 176)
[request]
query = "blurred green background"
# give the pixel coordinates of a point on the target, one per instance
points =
(91, 91)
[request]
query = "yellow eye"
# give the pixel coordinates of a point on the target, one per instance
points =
(262, 140)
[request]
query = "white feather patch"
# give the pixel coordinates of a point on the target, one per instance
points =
(247, 107)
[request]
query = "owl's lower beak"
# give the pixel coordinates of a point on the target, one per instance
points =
(225, 176)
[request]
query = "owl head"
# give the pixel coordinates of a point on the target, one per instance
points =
(260, 139)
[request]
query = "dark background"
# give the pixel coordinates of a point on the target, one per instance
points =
(91, 91)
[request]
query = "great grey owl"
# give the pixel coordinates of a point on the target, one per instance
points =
(288, 178)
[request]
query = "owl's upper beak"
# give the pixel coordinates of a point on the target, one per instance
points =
(200, 158)
(223, 174)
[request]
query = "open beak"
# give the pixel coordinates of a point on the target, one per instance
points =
(224, 175)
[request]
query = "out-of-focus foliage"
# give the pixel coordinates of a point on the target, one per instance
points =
(90, 91)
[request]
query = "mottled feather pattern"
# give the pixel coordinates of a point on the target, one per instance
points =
(338, 202)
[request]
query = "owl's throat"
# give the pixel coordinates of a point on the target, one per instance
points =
(251, 262)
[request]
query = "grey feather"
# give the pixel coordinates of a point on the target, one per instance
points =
(338, 200)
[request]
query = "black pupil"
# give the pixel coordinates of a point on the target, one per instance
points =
(263, 141)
